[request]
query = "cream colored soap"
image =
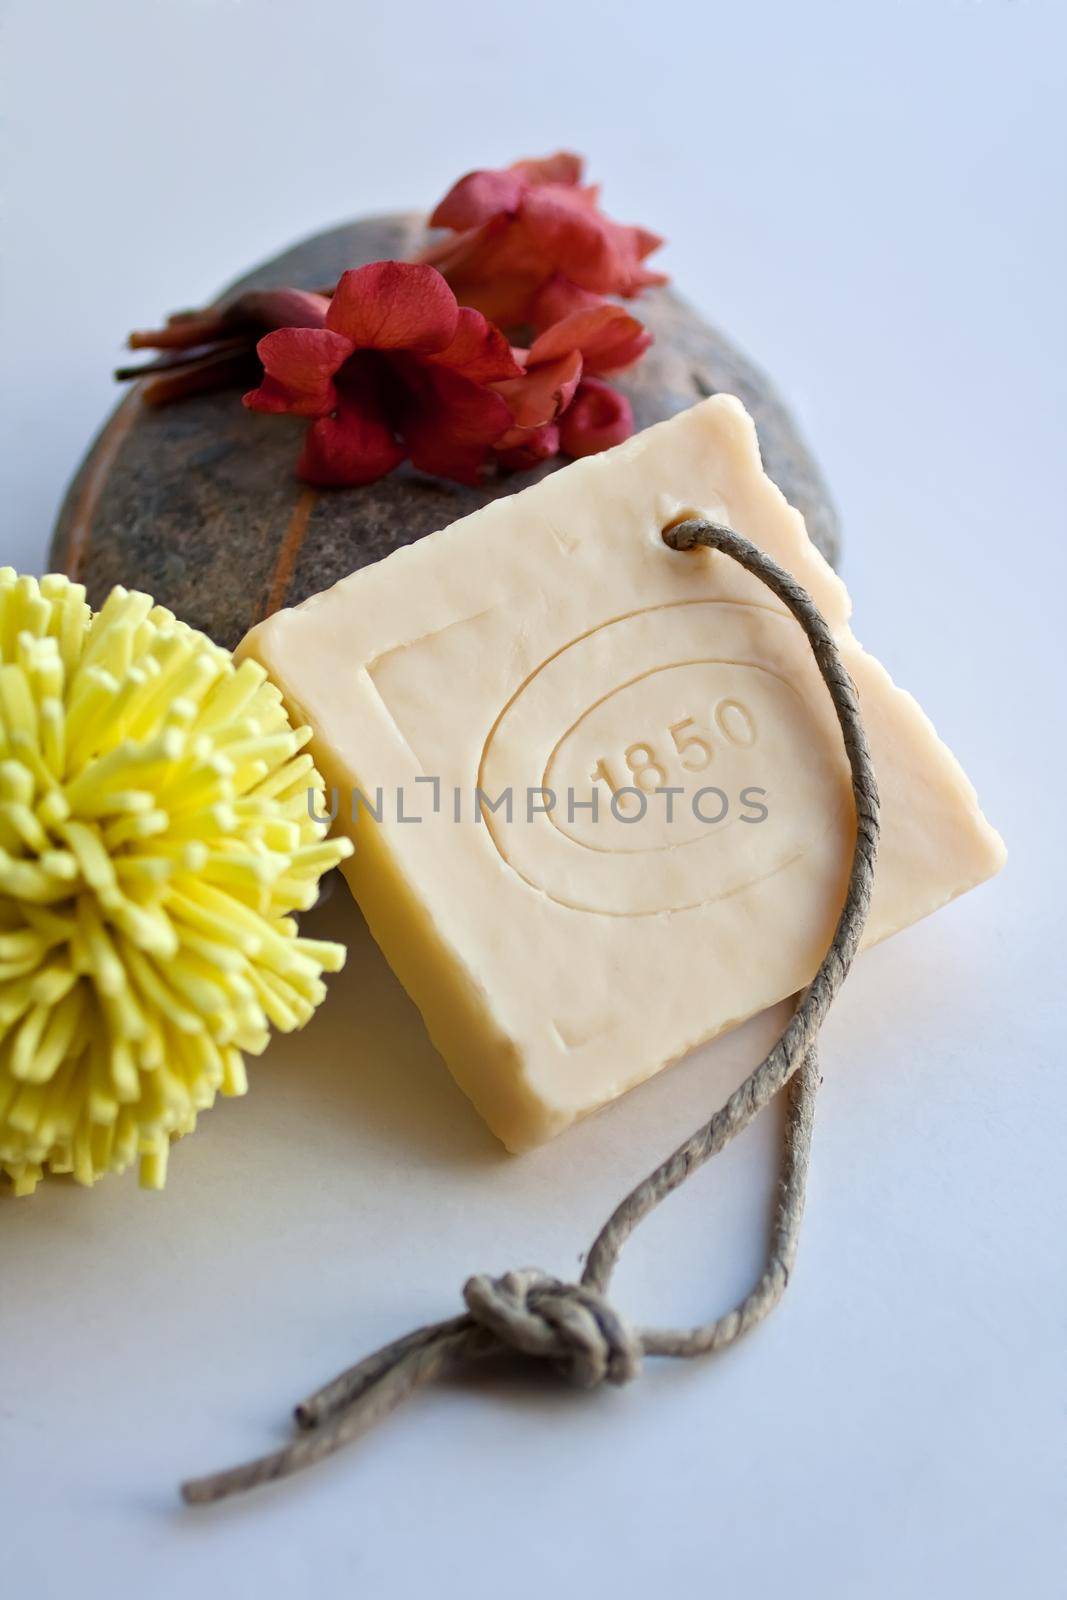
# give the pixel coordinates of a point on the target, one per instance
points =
(551, 645)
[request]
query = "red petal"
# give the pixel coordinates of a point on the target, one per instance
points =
(354, 447)
(479, 351)
(566, 227)
(563, 167)
(543, 392)
(557, 299)
(535, 445)
(394, 305)
(644, 244)
(490, 269)
(571, 235)
(599, 418)
(458, 254)
(299, 365)
(623, 354)
(630, 246)
(502, 297)
(607, 336)
(477, 197)
(449, 423)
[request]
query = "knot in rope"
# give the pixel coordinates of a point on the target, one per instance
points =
(566, 1323)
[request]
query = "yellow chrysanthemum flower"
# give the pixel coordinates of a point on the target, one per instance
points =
(155, 835)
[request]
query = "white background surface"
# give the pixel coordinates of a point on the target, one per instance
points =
(870, 198)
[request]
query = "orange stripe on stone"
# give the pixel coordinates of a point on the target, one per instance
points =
(291, 544)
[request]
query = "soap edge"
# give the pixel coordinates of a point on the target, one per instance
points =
(460, 1023)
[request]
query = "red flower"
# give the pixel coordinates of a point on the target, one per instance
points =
(397, 370)
(525, 227)
(391, 366)
(597, 418)
(557, 372)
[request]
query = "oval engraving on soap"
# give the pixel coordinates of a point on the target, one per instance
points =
(643, 704)
(669, 734)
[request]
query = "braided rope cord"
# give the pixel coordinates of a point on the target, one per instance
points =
(573, 1325)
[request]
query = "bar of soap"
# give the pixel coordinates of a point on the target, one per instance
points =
(551, 646)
